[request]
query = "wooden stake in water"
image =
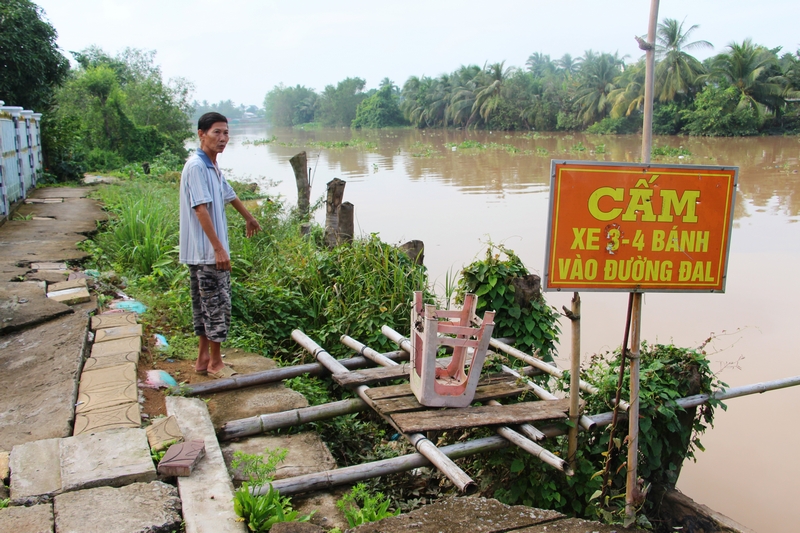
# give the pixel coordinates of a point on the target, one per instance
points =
(632, 495)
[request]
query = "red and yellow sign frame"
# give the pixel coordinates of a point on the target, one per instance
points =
(636, 227)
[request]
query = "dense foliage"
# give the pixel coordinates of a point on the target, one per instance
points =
(601, 92)
(30, 62)
(115, 110)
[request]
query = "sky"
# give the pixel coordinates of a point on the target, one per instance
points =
(241, 49)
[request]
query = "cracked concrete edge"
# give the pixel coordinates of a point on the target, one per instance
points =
(206, 495)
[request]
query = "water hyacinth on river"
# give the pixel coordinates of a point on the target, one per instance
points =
(457, 190)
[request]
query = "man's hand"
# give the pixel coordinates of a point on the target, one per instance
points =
(223, 259)
(253, 227)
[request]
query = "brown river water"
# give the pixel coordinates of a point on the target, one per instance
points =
(412, 185)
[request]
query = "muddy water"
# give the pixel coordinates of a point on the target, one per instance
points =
(413, 185)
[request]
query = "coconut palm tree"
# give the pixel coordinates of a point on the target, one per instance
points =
(490, 91)
(568, 65)
(629, 94)
(540, 65)
(676, 71)
(597, 80)
(747, 67)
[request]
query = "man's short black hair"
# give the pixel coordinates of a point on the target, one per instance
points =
(209, 119)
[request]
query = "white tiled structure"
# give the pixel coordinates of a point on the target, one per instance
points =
(20, 154)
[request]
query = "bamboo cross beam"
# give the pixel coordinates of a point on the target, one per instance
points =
(457, 476)
(404, 463)
(376, 357)
(240, 381)
(526, 441)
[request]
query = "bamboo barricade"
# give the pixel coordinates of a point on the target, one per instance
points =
(527, 441)
(241, 381)
(457, 476)
(405, 344)
(356, 473)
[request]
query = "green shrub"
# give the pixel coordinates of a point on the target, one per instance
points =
(361, 507)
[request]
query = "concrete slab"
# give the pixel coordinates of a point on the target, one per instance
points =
(295, 527)
(35, 471)
(64, 285)
(327, 514)
(4, 456)
(48, 276)
(91, 178)
(96, 363)
(130, 344)
(110, 458)
(253, 401)
(35, 519)
(71, 210)
(163, 431)
(109, 418)
(207, 493)
(113, 321)
(10, 271)
(70, 296)
(40, 367)
(49, 266)
(94, 400)
(574, 525)
(62, 192)
(136, 508)
(462, 515)
(108, 378)
(121, 332)
(307, 454)
(24, 304)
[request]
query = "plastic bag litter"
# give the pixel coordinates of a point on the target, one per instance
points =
(161, 341)
(129, 305)
(159, 379)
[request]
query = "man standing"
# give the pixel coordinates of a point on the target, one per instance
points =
(204, 242)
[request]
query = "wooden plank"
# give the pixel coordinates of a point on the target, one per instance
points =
(487, 415)
(391, 391)
(485, 392)
(371, 375)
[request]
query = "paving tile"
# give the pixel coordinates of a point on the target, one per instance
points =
(121, 332)
(64, 285)
(108, 378)
(114, 359)
(99, 420)
(163, 431)
(139, 508)
(181, 458)
(103, 398)
(70, 296)
(109, 458)
(48, 266)
(35, 519)
(130, 344)
(35, 471)
(113, 321)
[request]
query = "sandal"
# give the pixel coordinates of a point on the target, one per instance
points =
(226, 372)
(204, 372)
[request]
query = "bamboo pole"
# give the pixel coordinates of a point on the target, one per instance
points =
(632, 496)
(405, 344)
(574, 380)
(254, 425)
(457, 476)
(356, 473)
(366, 351)
(240, 381)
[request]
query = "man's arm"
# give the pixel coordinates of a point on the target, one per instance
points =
(221, 256)
(253, 226)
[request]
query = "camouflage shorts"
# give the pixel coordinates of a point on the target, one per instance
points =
(211, 301)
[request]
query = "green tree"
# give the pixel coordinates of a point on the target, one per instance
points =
(747, 67)
(717, 112)
(490, 94)
(290, 106)
(338, 104)
(597, 80)
(676, 71)
(380, 110)
(31, 65)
